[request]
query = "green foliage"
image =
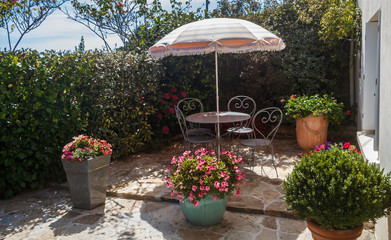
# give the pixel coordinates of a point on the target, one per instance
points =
(337, 188)
(119, 99)
(38, 116)
(47, 98)
(303, 106)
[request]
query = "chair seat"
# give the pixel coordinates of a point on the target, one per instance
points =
(240, 130)
(198, 131)
(255, 142)
(199, 139)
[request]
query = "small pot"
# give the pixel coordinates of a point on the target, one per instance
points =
(311, 131)
(319, 233)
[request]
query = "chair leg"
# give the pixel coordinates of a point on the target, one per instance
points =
(275, 168)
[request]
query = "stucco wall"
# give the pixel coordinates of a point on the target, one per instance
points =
(369, 9)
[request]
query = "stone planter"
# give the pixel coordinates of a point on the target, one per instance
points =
(88, 181)
(311, 131)
(207, 213)
(319, 233)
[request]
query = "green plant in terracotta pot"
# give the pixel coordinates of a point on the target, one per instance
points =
(313, 115)
(203, 184)
(335, 189)
(86, 162)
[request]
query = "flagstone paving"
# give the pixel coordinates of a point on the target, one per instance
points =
(139, 206)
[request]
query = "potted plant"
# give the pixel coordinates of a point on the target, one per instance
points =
(203, 184)
(313, 115)
(335, 190)
(86, 163)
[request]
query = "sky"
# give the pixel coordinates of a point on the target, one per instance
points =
(59, 33)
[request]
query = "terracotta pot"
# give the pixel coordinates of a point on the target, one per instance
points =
(311, 131)
(319, 233)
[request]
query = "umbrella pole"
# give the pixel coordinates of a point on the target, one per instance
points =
(217, 107)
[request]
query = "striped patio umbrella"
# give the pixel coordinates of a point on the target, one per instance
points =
(219, 35)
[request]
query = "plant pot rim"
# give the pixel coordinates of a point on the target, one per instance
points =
(312, 223)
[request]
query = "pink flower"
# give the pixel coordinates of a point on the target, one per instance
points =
(196, 203)
(348, 112)
(194, 188)
(183, 94)
(238, 192)
(120, 4)
(165, 130)
(174, 97)
(173, 89)
(142, 98)
(217, 184)
(201, 181)
(293, 96)
(202, 188)
(166, 96)
(171, 110)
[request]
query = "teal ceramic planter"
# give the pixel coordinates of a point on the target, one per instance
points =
(207, 213)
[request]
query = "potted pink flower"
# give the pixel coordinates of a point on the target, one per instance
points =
(203, 184)
(86, 163)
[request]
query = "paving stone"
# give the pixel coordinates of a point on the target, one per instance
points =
(154, 206)
(270, 195)
(292, 226)
(71, 215)
(246, 204)
(267, 234)
(233, 221)
(89, 219)
(238, 235)
(189, 234)
(269, 222)
(278, 209)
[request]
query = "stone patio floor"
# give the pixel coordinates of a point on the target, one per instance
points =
(139, 206)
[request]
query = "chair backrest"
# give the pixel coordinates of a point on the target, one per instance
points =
(266, 122)
(242, 104)
(181, 121)
(190, 106)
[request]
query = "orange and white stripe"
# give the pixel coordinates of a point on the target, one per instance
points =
(224, 35)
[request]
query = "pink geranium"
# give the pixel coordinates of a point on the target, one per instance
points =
(85, 147)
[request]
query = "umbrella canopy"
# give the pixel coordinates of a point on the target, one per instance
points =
(222, 35)
(219, 35)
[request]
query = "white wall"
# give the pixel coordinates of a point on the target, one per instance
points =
(369, 9)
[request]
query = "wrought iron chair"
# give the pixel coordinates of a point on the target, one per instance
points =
(191, 139)
(242, 104)
(265, 124)
(189, 106)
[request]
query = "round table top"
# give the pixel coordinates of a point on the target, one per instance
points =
(211, 117)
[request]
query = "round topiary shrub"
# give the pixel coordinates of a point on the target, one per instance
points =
(337, 189)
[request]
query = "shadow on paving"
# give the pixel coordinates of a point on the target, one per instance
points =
(141, 177)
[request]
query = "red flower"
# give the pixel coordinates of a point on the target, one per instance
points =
(183, 94)
(346, 145)
(159, 115)
(171, 110)
(173, 89)
(174, 97)
(120, 4)
(348, 112)
(165, 130)
(166, 96)
(293, 96)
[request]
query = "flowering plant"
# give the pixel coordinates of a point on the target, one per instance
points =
(303, 106)
(84, 147)
(336, 188)
(198, 176)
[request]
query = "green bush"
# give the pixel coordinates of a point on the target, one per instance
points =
(336, 188)
(47, 98)
(38, 116)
